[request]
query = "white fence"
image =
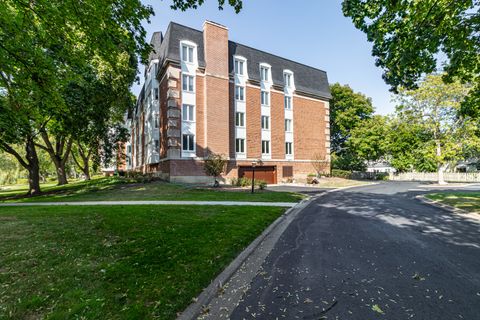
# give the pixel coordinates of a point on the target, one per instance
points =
(433, 176)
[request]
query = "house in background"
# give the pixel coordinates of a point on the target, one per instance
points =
(205, 94)
(380, 166)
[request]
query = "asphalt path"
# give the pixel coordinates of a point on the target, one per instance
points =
(373, 252)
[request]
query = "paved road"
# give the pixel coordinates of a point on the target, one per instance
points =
(370, 253)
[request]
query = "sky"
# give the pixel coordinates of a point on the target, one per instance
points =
(313, 32)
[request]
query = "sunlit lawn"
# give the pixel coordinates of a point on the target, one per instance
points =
(469, 201)
(104, 189)
(132, 262)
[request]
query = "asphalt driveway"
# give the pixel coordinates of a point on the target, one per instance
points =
(373, 252)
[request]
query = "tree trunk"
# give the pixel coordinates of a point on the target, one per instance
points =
(440, 167)
(33, 168)
(86, 172)
(61, 173)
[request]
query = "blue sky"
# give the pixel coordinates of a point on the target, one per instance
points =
(311, 32)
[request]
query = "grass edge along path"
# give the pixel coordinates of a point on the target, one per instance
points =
(135, 262)
(111, 189)
(468, 201)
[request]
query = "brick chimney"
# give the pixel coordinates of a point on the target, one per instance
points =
(215, 40)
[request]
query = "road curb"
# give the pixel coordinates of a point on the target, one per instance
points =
(446, 207)
(199, 306)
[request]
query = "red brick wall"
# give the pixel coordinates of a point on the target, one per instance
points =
(308, 128)
(254, 129)
(216, 88)
(277, 119)
(163, 117)
(200, 115)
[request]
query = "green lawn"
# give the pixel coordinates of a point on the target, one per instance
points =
(132, 262)
(125, 189)
(469, 201)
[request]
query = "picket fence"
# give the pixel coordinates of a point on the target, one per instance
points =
(432, 176)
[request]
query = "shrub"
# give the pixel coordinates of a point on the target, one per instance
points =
(234, 181)
(214, 165)
(341, 173)
(261, 184)
(244, 182)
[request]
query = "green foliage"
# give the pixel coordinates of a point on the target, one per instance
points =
(214, 165)
(341, 173)
(262, 185)
(194, 4)
(368, 139)
(347, 111)
(407, 37)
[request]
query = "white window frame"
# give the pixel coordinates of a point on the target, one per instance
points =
(239, 93)
(264, 73)
(188, 55)
(266, 145)
(288, 128)
(288, 74)
(156, 94)
(156, 121)
(237, 63)
(265, 122)
(288, 106)
(289, 148)
(188, 113)
(186, 83)
(265, 98)
(188, 141)
(240, 116)
(240, 142)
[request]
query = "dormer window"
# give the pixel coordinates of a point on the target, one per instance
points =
(239, 67)
(264, 73)
(288, 79)
(187, 53)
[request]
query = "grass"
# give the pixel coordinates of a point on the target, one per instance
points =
(106, 189)
(135, 262)
(469, 201)
(334, 182)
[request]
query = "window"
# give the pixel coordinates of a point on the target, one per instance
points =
(287, 171)
(287, 79)
(188, 143)
(265, 147)
(188, 112)
(187, 83)
(240, 119)
(265, 122)
(288, 148)
(155, 93)
(264, 73)
(239, 66)
(265, 97)
(129, 149)
(288, 103)
(157, 145)
(240, 145)
(240, 93)
(288, 125)
(187, 53)
(155, 121)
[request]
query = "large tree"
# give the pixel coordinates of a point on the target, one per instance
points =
(44, 46)
(348, 110)
(434, 108)
(413, 38)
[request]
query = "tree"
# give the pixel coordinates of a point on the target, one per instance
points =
(348, 110)
(194, 4)
(434, 107)
(368, 139)
(214, 165)
(44, 46)
(319, 163)
(410, 38)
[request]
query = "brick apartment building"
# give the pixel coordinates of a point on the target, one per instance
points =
(204, 93)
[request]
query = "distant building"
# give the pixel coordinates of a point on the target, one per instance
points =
(380, 167)
(205, 94)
